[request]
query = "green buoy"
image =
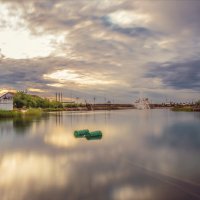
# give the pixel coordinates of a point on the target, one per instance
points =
(81, 133)
(94, 135)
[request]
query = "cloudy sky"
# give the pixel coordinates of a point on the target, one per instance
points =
(108, 49)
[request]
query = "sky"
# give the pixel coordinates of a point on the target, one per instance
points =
(103, 49)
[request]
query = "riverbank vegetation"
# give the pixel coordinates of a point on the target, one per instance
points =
(193, 108)
(33, 112)
(33, 105)
(23, 100)
(20, 113)
(74, 105)
(198, 103)
(184, 108)
(9, 114)
(53, 109)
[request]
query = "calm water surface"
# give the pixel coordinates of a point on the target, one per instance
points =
(151, 155)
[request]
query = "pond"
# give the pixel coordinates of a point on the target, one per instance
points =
(143, 154)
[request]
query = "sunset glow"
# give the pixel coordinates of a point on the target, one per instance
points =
(63, 76)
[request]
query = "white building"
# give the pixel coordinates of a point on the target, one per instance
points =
(6, 101)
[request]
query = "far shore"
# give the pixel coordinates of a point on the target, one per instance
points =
(89, 107)
(27, 104)
(186, 109)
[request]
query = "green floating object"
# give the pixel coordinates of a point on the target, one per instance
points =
(95, 135)
(81, 133)
(93, 138)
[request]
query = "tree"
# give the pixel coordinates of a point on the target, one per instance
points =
(22, 100)
(198, 103)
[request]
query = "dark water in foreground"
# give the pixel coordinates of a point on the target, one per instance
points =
(151, 155)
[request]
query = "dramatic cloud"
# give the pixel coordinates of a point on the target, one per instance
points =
(103, 48)
(185, 75)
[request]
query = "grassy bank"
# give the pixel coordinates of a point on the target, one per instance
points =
(183, 109)
(53, 109)
(33, 112)
(19, 113)
(9, 114)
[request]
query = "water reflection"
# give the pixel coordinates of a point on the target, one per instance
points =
(20, 125)
(94, 138)
(183, 135)
(6, 126)
(135, 159)
(61, 139)
(19, 170)
(197, 115)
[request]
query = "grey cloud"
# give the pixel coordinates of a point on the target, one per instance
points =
(100, 47)
(180, 75)
(130, 31)
(135, 32)
(173, 16)
(24, 73)
(58, 15)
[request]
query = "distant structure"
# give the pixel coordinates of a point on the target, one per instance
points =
(142, 104)
(59, 96)
(6, 101)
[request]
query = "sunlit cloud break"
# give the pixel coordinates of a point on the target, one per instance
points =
(17, 41)
(128, 18)
(64, 76)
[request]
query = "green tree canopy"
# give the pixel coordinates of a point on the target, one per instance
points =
(22, 100)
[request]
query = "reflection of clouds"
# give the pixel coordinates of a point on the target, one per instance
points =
(185, 135)
(174, 152)
(60, 138)
(128, 192)
(109, 177)
(21, 173)
(105, 169)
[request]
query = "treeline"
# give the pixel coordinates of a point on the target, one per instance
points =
(23, 100)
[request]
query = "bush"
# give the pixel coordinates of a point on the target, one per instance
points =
(184, 109)
(23, 100)
(198, 103)
(52, 109)
(33, 112)
(18, 113)
(9, 114)
(73, 105)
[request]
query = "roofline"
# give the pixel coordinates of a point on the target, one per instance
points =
(7, 93)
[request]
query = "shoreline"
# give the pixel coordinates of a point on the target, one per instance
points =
(186, 109)
(20, 113)
(38, 111)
